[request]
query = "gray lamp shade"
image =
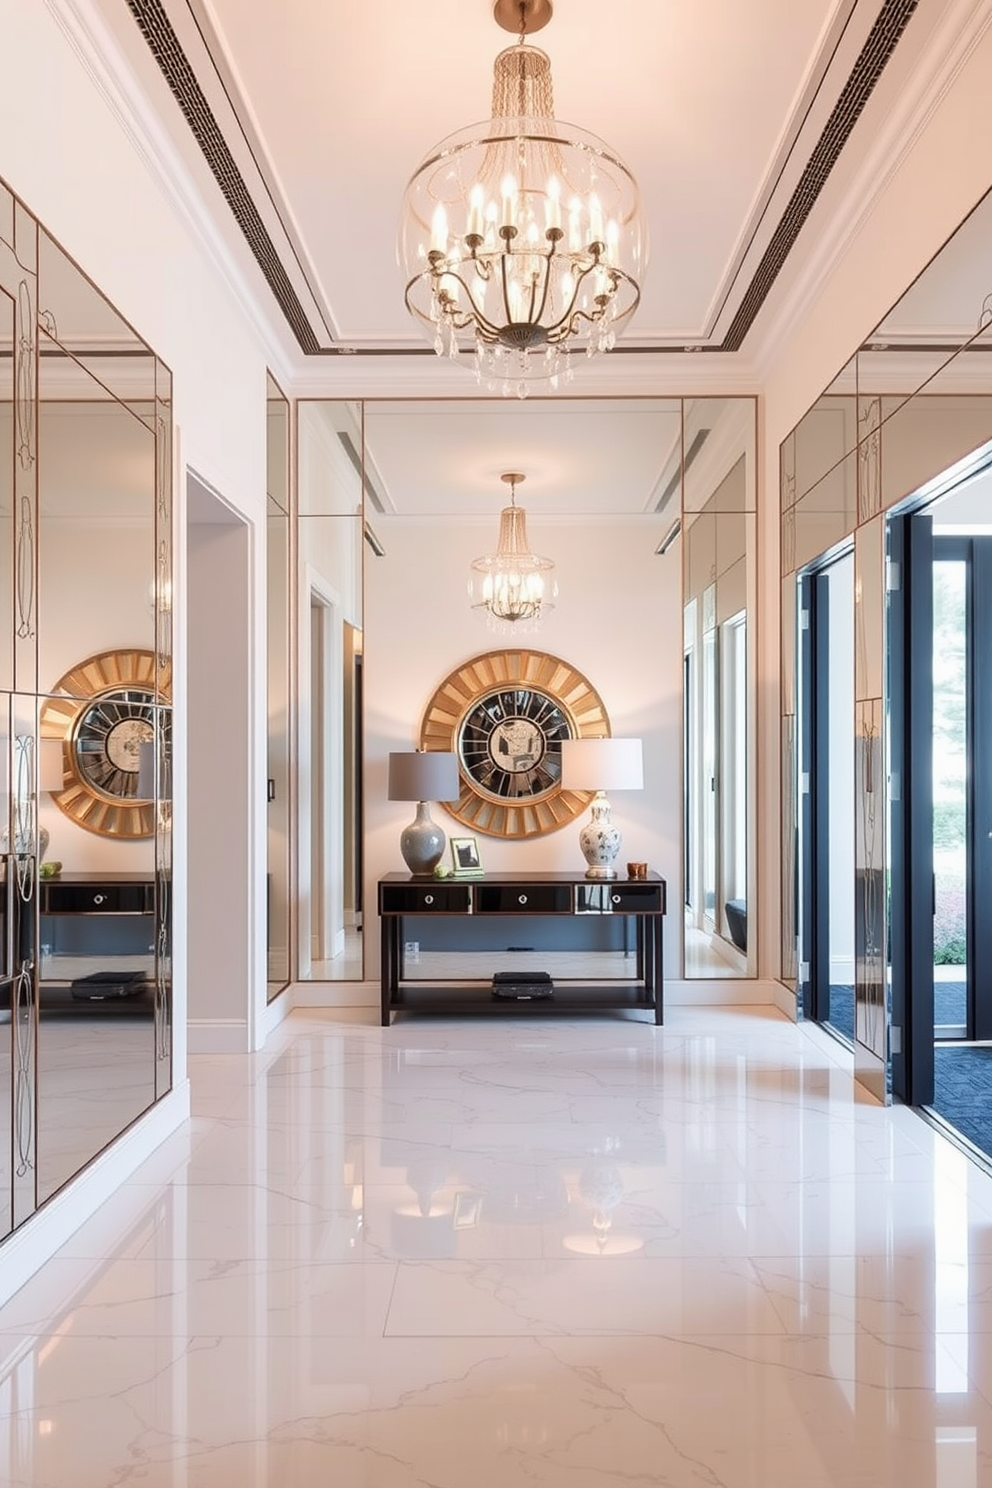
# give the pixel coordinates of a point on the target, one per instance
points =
(424, 776)
(602, 764)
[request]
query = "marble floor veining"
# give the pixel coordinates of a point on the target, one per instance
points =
(519, 1254)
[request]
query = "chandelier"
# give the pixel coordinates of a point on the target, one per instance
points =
(515, 587)
(522, 238)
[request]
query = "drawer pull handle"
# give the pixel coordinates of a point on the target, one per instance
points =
(617, 899)
(99, 898)
(521, 898)
(428, 898)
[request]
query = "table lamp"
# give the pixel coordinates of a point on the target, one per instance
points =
(423, 777)
(600, 765)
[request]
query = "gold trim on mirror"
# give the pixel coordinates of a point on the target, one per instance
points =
(504, 714)
(103, 710)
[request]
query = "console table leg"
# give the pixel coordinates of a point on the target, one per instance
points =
(658, 974)
(387, 967)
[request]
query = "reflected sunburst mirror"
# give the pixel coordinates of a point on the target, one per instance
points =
(103, 710)
(505, 714)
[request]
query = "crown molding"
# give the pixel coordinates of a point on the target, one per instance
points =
(113, 74)
(613, 375)
(955, 38)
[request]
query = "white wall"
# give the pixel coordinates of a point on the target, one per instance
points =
(617, 605)
(220, 908)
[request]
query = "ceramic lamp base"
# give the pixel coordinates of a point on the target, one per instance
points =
(422, 842)
(600, 840)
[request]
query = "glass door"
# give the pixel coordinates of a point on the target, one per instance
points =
(951, 720)
(827, 849)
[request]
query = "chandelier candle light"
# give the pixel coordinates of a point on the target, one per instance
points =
(516, 585)
(522, 237)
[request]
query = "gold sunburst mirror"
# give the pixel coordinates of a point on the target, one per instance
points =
(103, 710)
(505, 714)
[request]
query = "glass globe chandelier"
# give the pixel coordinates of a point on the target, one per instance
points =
(522, 238)
(514, 587)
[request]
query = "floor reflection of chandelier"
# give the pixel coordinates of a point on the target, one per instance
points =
(522, 238)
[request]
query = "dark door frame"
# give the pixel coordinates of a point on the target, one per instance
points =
(976, 553)
(814, 791)
(910, 685)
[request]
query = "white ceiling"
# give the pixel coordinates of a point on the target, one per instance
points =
(581, 458)
(326, 110)
(345, 100)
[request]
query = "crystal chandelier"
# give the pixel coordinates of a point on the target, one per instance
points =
(522, 238)
(515, 587)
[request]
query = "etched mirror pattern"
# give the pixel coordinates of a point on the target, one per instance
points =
(86, 534)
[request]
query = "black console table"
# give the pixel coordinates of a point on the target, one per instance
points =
(479, 899)
(107, 916)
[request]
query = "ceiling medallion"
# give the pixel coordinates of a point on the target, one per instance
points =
(505, 715)
(522, 238)
(104, 711)
(516, 587)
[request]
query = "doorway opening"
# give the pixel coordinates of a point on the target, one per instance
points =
(331, 836)
(827, 818)
(941, 813)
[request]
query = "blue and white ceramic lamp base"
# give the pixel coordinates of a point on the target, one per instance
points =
(600, 840)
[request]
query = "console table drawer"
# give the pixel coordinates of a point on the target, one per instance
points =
(410, 899)
(96, 898)
(612, 897)
(523, 899)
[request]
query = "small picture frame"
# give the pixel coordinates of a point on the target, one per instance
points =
(465, 856)
(468, 1210)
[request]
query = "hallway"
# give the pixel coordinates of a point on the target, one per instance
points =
(516, 1253)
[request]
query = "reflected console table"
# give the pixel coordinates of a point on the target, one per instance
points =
(478, 901)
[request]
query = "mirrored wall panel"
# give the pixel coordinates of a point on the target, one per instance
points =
(278, 692)
(85, 717)
(719, 534)
(923, 422)
(609, 491)
(330, 652)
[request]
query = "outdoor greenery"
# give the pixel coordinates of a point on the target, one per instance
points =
(949, 763)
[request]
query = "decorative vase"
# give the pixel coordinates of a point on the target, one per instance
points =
(600, 840)
(422, 842)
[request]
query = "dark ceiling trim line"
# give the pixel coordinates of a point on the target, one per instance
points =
(157, 29)
(890, 23)
(175, 66)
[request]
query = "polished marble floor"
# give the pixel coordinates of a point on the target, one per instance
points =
(516, 1253)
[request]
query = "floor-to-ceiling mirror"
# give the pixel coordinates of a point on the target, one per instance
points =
(278, 899)
(609, 485)
(719, 534)
(331, 526)
(86, 673)
(905, 423)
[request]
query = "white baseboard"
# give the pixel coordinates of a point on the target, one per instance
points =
(217, 1036)
(785, 1000)
(336, 994)
(38, 1238)
(274, 1013)
(718, 992)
